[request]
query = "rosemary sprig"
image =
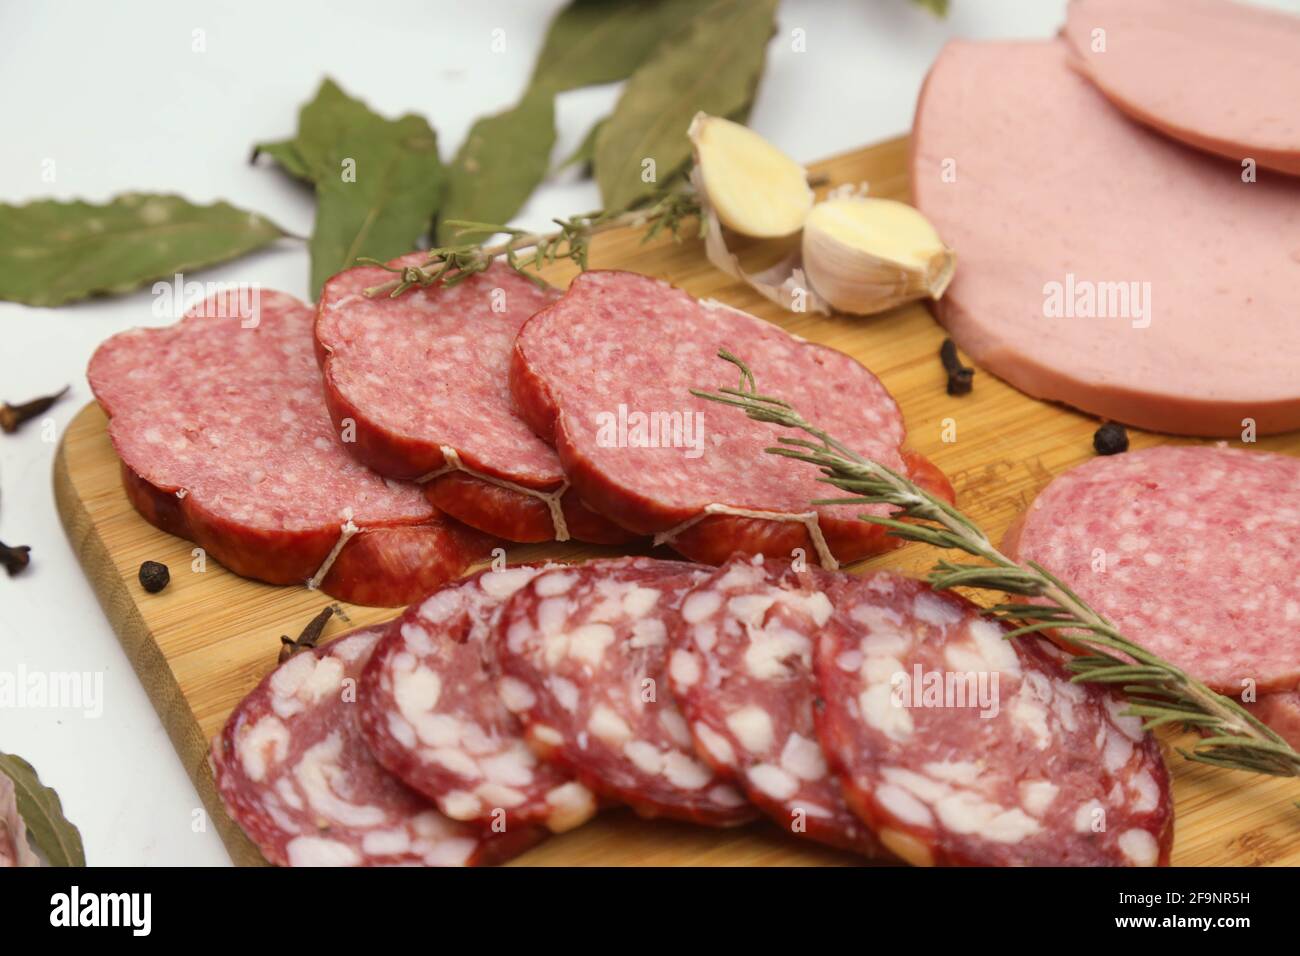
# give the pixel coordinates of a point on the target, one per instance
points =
(1158, 692)
(528, 251)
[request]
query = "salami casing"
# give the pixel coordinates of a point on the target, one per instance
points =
(295, 774)
(420, 382)
(959, 746)
(431, 713)
(1190, 551)
(225, 441)
(606, 375)
(584, 652)
(742, 672)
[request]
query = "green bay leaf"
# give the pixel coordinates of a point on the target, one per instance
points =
(713, 64)
(379, 181)
(604, 41)
(501, 162)
(55, 252)
(938, 7)
(585, 155)
(285, 155)
(42, 812)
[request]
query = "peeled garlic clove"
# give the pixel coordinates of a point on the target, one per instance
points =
(867, 255)
(755, 189)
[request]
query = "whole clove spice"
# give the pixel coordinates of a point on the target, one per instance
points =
(960, 378)
(12, 417)
(154, 576)
(15, 559)
(305, 641)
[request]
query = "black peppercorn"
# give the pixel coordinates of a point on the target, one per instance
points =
(960, 378)
(1110, 439)
(154, 576)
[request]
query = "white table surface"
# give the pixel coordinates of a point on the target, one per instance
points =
(114, 94)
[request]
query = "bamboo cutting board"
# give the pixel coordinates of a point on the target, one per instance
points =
(205, 641)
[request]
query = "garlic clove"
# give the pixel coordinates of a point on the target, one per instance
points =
(866, 255)
(755, 189)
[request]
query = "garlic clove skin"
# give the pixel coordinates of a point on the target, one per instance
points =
(755, 189)
(866, 255)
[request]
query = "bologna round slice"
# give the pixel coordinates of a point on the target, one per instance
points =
(1219, 76)
(742, 672)
(431, 714)
(959, 747)
(225, 441)
(606, 375)
(295, 774)
(1190, 551)
(584, 653)
(420, 384)
(1101, 264)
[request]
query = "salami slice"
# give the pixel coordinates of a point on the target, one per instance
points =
(1281, 711)
(584, 650)
(958, 746)
(605, 374)
(225, 440)
(1130, 532)
(431, 714)
(741, 670)
(295, 774)
(421, 381)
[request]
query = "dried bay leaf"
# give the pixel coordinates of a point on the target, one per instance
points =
(42, 812)
(285, 154)
(585, 154)
(713, 64)
(379, 182)
(938, 7)
(56, 252)
(603, 41)
(503, 159)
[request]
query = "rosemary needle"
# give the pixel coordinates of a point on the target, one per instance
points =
(1158, 692)
(526, 252)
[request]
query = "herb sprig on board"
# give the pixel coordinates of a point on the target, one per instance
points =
(527, 251)
(1158, 692)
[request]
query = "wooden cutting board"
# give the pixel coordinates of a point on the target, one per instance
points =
(210, 637)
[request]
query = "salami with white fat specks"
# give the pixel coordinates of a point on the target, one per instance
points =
(295, 774)
(961, 747)
(1191, 551)
(606, 373)
(422, 381)
(584, 653)
(225, 441)
(741, 670)
(430, 712)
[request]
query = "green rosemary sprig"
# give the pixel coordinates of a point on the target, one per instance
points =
(526, 251)
(1158, 692)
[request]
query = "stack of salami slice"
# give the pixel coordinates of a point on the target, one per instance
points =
(869, 713)
(379, 448)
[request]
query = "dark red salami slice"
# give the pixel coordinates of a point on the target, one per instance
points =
(584, 650)
(605, 374)
(419, 383)
(431, 714)
(1189, 550)
(225, 441)
(960, 747)
(741, 670)
(295, 774)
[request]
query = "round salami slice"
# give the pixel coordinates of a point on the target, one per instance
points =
(1129, 532)
(295, 774)
(584, 652)
(741, 670)
(431, 714)
(606, 375)
(225, 441)
(959, 747)
(419, 385)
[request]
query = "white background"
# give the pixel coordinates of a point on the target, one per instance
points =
(115, 96)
